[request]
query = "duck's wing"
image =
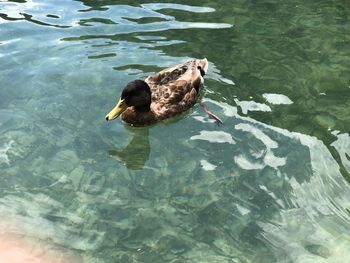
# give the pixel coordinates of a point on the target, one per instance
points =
(176, 89)
(174, 73)
(167, 75)
(172, 84)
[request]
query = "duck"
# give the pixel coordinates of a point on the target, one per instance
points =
(162, 95)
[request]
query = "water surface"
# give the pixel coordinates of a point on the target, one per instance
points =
(270, 185)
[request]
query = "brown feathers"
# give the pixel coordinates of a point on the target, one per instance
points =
(173, 91)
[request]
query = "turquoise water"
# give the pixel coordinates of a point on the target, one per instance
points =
(270, 185)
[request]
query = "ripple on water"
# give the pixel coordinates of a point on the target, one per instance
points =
(342, 144)
(214, 136)
(277, 98)
(3, 152)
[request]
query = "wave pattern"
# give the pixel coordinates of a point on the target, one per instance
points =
(185, 190)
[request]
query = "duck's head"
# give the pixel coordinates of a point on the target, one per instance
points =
(136, 93)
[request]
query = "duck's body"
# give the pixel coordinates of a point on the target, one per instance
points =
(169, 93)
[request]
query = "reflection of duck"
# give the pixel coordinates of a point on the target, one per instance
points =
(162, 95)
(136, 153)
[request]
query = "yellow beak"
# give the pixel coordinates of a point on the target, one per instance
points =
(117, 110)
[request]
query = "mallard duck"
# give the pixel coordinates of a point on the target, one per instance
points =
(162, 95)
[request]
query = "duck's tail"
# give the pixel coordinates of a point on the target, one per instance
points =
(202, 65)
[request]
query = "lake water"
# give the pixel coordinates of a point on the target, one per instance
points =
(270, 185)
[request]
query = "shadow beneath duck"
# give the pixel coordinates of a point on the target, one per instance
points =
(136, 153)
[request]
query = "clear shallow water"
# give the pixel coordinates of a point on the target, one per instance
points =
(268, 186)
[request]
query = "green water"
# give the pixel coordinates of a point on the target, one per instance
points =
(270, 185)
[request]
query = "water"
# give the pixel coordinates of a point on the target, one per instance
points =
(271, 185)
